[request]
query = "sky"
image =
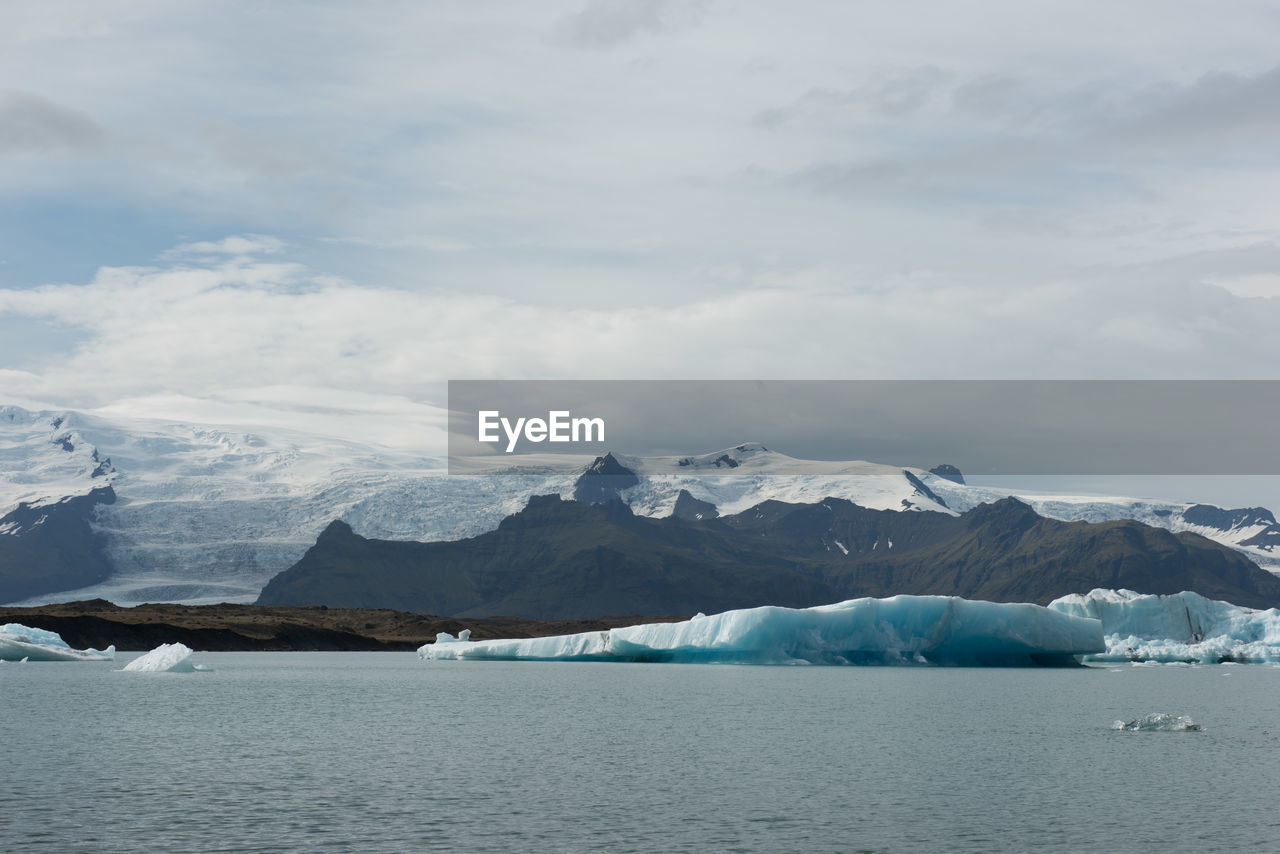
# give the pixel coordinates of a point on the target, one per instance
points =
(296, 205)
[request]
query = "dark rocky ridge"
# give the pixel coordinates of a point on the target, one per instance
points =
(948, 471)
(1208, 516)
(562, 559)
(52, 547)
(693, 509)
(921, 489)
(603, 480)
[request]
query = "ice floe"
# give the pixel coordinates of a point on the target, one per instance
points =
(896, 630)
(1183, 627)
(1159, 722)
(19, 643)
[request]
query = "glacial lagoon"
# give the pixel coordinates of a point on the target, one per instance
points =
(371, 752)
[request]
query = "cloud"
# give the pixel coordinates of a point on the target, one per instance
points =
(428, 242)
(1217, 107)
(244, 244)
(933, 196)
(605, 23)
(1034, 149)
(886, 96)
(31, 124)
(206, 331)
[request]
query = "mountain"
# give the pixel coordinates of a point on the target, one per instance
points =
(604, 480)
(561, 559)
(207, 514)
(553, 559)
(50, 547)
(1252, 531)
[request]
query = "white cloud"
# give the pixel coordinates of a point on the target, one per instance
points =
(990, 190)
(1261, 285)
(250, 332)
(244, 244)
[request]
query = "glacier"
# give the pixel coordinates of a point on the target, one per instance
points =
(1182, 627)
(18, 642)
(211, 505)
(942, 630)
(166, 658)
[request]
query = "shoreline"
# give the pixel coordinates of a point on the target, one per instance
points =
(226, 627)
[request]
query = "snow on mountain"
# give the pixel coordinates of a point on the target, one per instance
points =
(44, 458)
(1253, 531)
(743, 476)
(209, 514)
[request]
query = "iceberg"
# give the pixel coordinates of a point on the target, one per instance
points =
(1182, 627)
(943, 630)
(19, 642)
(166, 658)
(1159, 722)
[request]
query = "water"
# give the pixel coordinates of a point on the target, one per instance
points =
(372, 752)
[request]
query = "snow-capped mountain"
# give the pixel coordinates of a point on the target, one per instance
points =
(1253, 531)
(209, 514)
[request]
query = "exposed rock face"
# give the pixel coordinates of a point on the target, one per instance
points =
(1242, 519)
(949, 472)
(691, 509)
(603, 480)
(921, 489)
(45, 548)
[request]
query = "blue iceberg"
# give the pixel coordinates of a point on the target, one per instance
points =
(18, 642)
(943, 630)
(1182, 627)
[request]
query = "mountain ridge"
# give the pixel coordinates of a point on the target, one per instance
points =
(210, 514)
(563, 559)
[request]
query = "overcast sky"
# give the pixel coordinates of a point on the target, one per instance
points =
(347, 204)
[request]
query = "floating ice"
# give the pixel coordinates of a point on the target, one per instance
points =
(19, 643)
(897, 630)
(1181, 627)
(1159, 722)
(166, 658)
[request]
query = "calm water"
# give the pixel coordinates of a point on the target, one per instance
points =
(371, 752)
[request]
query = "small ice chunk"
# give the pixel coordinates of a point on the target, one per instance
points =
(166, 658)
(1158, 722)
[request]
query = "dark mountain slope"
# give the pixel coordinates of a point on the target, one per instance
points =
(52, 547)
(553, 560)
(562, 559)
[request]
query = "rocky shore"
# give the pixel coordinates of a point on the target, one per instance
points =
(98, 623)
